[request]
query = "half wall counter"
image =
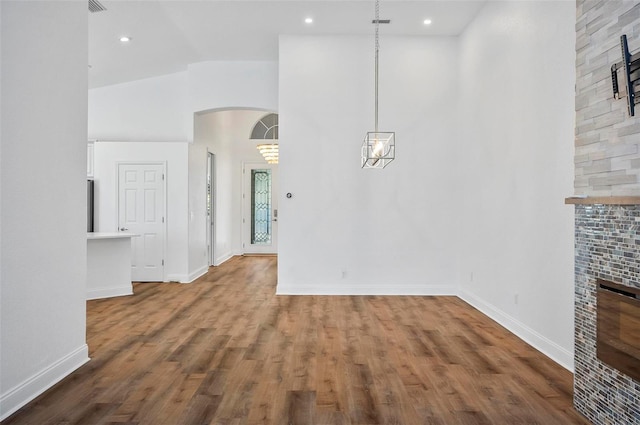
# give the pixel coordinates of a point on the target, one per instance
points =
(109, 265)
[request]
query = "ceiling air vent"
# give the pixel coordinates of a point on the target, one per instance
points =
(96, 6)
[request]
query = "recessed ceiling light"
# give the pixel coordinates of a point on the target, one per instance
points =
(125, 39)
(427, 21)
(308, 20)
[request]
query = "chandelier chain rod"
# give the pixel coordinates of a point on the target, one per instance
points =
(377, 47)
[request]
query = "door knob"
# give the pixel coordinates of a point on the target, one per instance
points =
(122, 229)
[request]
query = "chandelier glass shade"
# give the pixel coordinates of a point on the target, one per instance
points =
(270, 152)
(378, 149)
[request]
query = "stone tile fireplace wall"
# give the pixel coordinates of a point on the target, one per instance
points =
(607, 153)
(607, 247)
(607, 170)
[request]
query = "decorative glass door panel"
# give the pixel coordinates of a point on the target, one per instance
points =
(261, 207)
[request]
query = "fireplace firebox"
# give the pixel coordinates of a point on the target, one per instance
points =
(618, 327)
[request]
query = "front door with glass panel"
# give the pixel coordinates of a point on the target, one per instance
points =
(260, 209)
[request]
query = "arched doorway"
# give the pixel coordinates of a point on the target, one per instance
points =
(225, 142)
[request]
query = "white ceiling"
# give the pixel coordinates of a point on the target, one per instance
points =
(169, 35)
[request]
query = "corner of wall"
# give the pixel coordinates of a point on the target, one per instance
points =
(538, 341)
(225, 257)
(197, 273)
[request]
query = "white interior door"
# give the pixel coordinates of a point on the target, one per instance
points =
(260, 209)
(141, 210)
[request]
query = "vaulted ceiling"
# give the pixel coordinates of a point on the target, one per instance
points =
(166, 36)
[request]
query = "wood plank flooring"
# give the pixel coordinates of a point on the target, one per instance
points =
(227, 350)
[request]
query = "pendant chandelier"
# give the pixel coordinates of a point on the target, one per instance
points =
(269, 152)
(378, 147)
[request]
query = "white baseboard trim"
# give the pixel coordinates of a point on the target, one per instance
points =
(180, 278)
(409, 289)
(94, 294)
(200, 272)
(23, 393)
(547, 347)
(187, 278)
(223, 258)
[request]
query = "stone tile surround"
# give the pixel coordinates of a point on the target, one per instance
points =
(607, 240)
(607, 236)
(607, 153)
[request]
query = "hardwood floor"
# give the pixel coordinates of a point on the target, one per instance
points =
(226, 350)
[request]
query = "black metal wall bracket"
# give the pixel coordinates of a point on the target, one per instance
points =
(631, 65)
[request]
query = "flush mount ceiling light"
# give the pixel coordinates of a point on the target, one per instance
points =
(308, 21)
(427, 22)
(378, 147)
(125, 39)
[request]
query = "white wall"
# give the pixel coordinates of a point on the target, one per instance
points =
(353, 231)
(516, 167)
(150, 109)
(232, 85)
(226, 135)
(198, 254)
(207, 136)
(161, 108)
(43, 196)
(107, 154)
